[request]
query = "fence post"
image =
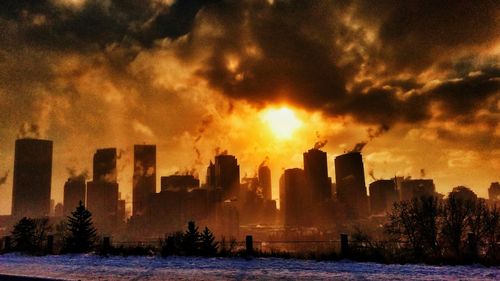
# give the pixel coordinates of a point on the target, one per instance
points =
(50, 244)
(7, 244)
(472, 245)
(106, 245)
(344, 245)
(249, 244)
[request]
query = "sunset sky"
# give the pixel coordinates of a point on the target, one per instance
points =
(419, 81)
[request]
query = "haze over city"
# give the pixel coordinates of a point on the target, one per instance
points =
(259, 79)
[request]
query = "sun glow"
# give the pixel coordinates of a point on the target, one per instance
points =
(281, 121)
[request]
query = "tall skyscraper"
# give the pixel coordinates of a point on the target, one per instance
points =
(74, 192)
(383, 194)
(294, 198)
(265, 182)
(227, 176)
(316, 171)
(32, 178)
(351, 188)
(102, 191)
(210, 179)
(144, 177)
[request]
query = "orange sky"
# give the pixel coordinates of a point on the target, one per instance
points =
(188, 76)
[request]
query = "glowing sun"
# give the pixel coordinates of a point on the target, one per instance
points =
(281, 121)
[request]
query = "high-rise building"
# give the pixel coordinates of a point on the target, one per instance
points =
(74, 192)
(383, 194)
(417, 188)
(183, 182)
(316, 171)
(227, 176)
(32, 178)
(210, 179)
(102, 191)
(494, 191)
(144, 177)
(350, 183)
(294, 198)
(265, 182)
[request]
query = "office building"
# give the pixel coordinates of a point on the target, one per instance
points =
(32, 178)
(350, 184)
(144, 179)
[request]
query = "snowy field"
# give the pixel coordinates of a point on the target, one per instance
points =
(88, 267)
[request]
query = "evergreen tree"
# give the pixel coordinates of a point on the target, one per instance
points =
(82, 234)
(208, 244)
(191, 240)
(24, 235)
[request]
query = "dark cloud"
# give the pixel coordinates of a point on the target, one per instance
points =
(314, 54)
(414, 34)
(98, 23)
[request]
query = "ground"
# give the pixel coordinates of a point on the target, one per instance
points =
(91, 267)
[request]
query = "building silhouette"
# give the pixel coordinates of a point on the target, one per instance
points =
(316, 171)
(210, 177)
(265, 182)
(227, 176)
(144, 179)
(411, 188)
(383, 194)
(74, 192)
(32, 178)
(183, 182)
(295, 198)
(350, 184)
(59, 210)
(102, 191)
(494, 191)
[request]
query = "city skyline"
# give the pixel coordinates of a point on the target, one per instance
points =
(418, 81)
(108, 172)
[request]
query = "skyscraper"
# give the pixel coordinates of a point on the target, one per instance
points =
(265, 182)
(32, 178)
(144, 177)
(227, 176)
(350, 180)
(316, 171)
(102, 191)
(383, 194)
(294, 198)
(74, 192)
(210, 179)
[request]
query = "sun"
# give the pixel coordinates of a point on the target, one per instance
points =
(281, 121)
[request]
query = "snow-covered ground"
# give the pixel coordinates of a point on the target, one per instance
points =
(89, 267)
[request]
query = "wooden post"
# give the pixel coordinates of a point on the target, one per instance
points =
(50, 244)
(472, 245)
(249, 244)
(344, 245)
(7, 244)
(106, 245)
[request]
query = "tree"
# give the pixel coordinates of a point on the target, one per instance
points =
(82, 234)
(415, 222)
(208, 244)
(456, 212)
(191, 240)
(29, 235)
(24, 235)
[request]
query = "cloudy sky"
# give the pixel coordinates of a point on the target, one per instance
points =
(419, 81)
